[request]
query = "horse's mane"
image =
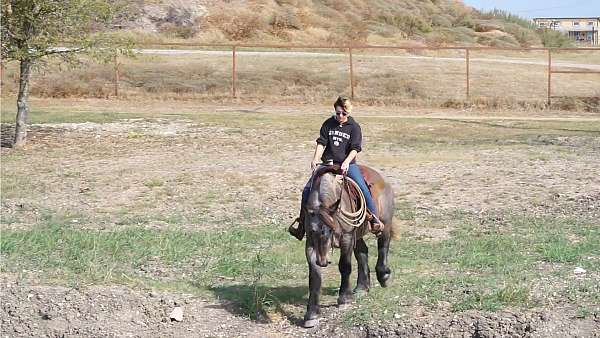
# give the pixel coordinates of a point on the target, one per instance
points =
(328, 189)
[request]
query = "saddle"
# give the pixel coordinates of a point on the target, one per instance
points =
(349, 213)
(372, 179)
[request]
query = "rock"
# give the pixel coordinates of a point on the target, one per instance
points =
(177, 314)
(579, 271)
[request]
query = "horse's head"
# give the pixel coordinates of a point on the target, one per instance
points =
(320, 224)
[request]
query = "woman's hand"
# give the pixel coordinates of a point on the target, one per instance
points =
(314, 164)
(345, 165)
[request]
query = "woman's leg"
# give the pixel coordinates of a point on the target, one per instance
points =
(355, 174)
(299, 231)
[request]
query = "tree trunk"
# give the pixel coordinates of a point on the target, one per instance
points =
(22, 104)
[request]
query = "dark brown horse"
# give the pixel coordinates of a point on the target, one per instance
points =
(324, 230)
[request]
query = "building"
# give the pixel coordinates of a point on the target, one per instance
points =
(582, 30)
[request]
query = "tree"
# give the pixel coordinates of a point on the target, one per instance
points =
(34, 30)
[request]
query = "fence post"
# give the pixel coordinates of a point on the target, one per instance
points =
(116, 76)
(467, 58)
(549, 76)
(233, 72)
(351, 74)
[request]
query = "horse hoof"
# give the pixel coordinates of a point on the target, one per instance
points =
(384, 277)
(383, 281)
(310, 323)
(343, 300)
(360, 292)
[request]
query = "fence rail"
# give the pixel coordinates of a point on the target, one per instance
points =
(350, 48)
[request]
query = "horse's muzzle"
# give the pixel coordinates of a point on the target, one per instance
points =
(323, 262)
(323, 251)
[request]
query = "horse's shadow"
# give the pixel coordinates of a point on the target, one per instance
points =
(252, 300)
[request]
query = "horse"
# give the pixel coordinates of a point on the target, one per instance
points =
(324, 230)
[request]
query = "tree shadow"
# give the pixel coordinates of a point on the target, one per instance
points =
(7, 135)
(254, 300)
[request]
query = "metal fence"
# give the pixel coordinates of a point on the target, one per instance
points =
(352, 52)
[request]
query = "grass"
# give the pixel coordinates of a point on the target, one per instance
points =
(262, 268)
(321, 23)
(204, 211)
(380, 78)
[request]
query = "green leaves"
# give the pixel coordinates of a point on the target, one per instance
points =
(33, 29)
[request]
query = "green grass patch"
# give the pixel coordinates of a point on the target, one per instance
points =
(486, 269)
(66, 115)
(261, 268)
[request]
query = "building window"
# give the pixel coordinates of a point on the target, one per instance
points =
(590, 23)
(575, 23)
(542, 24)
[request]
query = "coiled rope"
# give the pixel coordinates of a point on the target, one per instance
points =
(356, 218)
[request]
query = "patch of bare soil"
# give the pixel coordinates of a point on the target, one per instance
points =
(560, 323)
(32, 310)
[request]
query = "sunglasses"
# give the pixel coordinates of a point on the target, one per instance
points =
(343, 113)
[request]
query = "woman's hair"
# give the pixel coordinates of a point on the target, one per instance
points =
(343, 102)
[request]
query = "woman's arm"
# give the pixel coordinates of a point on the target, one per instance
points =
(348, 159)
(319, 149)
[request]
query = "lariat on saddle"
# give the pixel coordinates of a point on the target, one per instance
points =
(356, 216)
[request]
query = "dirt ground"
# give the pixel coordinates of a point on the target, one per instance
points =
(159, 166)
(33, 310)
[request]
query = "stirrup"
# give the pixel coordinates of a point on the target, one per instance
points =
(297, 232)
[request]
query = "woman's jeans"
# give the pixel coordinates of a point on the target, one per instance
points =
(355, 174)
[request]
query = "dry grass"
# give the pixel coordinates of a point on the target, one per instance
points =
(416, 77)
(390, 22)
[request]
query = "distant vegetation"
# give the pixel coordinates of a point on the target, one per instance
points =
(331, 22)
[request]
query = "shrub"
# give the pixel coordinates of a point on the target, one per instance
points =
(438, 20)
(525, 37)
(552, 38)
(507, 17)
(237, 24)
(173, 30)
(287, 19)
(408, 23)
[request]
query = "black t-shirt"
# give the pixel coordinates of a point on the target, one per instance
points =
(339, 139)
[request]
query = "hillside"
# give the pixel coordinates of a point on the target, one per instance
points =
(331, 22)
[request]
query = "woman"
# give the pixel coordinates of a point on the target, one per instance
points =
(340, 140)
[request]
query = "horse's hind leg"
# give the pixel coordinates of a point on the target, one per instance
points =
(345, 267)
(361, 252)
(383, 270)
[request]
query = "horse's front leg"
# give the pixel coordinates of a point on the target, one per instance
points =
(345, 267)
(311, 318)
(361, 252)
(383, 270)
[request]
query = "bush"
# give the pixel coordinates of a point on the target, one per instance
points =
(525, 37)
(441, 21)
(507, 17)
(552, 38)
(237, 24)
(408, 23)
(285, 20)
(173, 30)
